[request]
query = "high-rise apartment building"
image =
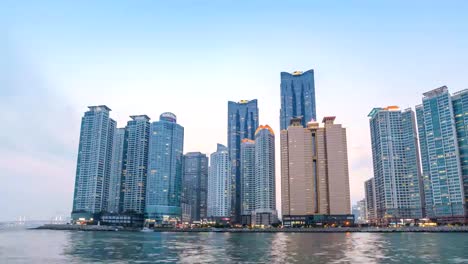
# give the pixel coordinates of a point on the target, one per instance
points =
(116, 171)
(219, 183)
(395, 156)
(314, 172)
(297, 97)
(242, 123)
(135, 162)
(371, 211)
(93, 165)
(441, 120)
(164, 183)
(265, 187)
(195, 185)
(460, 110)
(258, 178)
(247, 177)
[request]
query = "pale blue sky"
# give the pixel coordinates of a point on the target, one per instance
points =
(191, 57)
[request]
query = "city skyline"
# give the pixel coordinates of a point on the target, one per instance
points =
(54, 69)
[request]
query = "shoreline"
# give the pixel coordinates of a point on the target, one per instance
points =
(441, 229)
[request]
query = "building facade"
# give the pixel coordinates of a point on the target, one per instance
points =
(441, 131)
(460, 111)
(195, 185)
(219, 183)
(297, 97)
(135, 164)
(395, 156)
(116, 171)
(247, 177)
(314, 169)
(265, 187)
(93, 164)
(242, 123)
(164, 183)
(371, 211)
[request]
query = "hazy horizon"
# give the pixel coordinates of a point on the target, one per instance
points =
(192, 57)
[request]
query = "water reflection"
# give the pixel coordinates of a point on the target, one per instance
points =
(27, 246)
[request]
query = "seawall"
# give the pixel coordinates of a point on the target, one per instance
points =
(439, 229)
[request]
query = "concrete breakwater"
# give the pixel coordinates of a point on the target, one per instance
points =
(439, 229)
(79, 227)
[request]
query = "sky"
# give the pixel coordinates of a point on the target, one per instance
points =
(191, 58)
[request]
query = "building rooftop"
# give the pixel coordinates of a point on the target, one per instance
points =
(243, 101)
(168, 116)
(99, 108)
(221, 147)
(296, 121)
(436, 91)
(328, 119)
(246, 140)
(261, 127)
(461, 92)
(140, 117)
(296, 73)
(375, 110)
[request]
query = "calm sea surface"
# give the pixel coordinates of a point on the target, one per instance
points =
(43, 246)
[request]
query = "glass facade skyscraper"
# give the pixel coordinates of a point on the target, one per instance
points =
(135, 162)
(395, 156)
(116, 171)
(195, 184)
(164, 184)
(440, 130)
(460, 110)
(93, 164)
(242, 123)
(297, 97)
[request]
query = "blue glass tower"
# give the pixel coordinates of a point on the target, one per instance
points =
(440, 153)
(164, 184)
(115, 181)
(94, 163)
(460, 110)
(135, 161)
(297, 97)
(195, 184)
(242, 123)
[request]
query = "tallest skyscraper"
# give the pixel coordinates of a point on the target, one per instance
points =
(242, 124)
(297, 97)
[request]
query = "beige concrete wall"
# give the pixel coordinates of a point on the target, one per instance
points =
(284, 173)
(322, 169)
(338, 174)
(299, 194)
(297, 181)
